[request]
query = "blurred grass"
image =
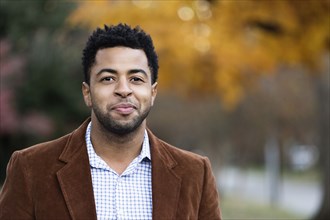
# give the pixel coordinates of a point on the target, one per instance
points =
(311, 175)
(234, 208)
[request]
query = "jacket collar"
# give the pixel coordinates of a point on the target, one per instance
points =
(166, 184)
(75, 177)
(76, 181)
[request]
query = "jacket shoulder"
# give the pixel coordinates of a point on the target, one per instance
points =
(66, 146)
(176, 157)
(46, 149)
(181, 153)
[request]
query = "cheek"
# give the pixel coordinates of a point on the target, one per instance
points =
(102, 91)
(148, 99)
(100, 97)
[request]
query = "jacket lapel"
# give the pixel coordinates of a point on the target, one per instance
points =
(76, 182)
(75, 177)
(165, 183)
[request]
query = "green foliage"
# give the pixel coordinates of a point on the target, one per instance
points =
(20, 19)
(52, 76)
(42, 96)
(53, 80)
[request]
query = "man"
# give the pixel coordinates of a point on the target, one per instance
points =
(112, 166)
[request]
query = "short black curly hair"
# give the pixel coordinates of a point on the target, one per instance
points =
(119, 35)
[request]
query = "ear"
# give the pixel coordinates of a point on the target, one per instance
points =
(85, 88)
(153, 93)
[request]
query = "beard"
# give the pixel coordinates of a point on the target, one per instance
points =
(119, 127)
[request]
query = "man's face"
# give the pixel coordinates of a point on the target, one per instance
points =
(120, 93)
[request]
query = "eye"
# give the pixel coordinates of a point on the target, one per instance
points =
(137, 80)
(107, 79)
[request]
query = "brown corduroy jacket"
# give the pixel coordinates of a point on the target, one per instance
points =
(52, 181)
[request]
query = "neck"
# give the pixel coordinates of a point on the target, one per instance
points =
(117, 150)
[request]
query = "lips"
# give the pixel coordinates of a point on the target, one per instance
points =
(124, 108)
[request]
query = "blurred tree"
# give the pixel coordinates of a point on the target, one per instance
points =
(230, 43)
(40, 74)
(226, 47)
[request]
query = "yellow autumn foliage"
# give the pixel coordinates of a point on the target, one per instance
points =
(220, 47)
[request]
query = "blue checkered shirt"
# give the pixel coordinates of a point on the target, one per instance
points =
(127, 196)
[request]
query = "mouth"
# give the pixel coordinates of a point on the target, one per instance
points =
(124, 108)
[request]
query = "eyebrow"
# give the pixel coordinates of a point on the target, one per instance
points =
(132, 71)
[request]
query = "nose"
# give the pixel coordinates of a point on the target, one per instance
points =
(123, 89)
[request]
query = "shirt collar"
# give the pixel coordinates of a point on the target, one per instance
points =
(97, 162)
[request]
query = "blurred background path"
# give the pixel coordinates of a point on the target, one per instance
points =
(301, 197)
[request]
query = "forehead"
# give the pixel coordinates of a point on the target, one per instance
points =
(121, 57)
